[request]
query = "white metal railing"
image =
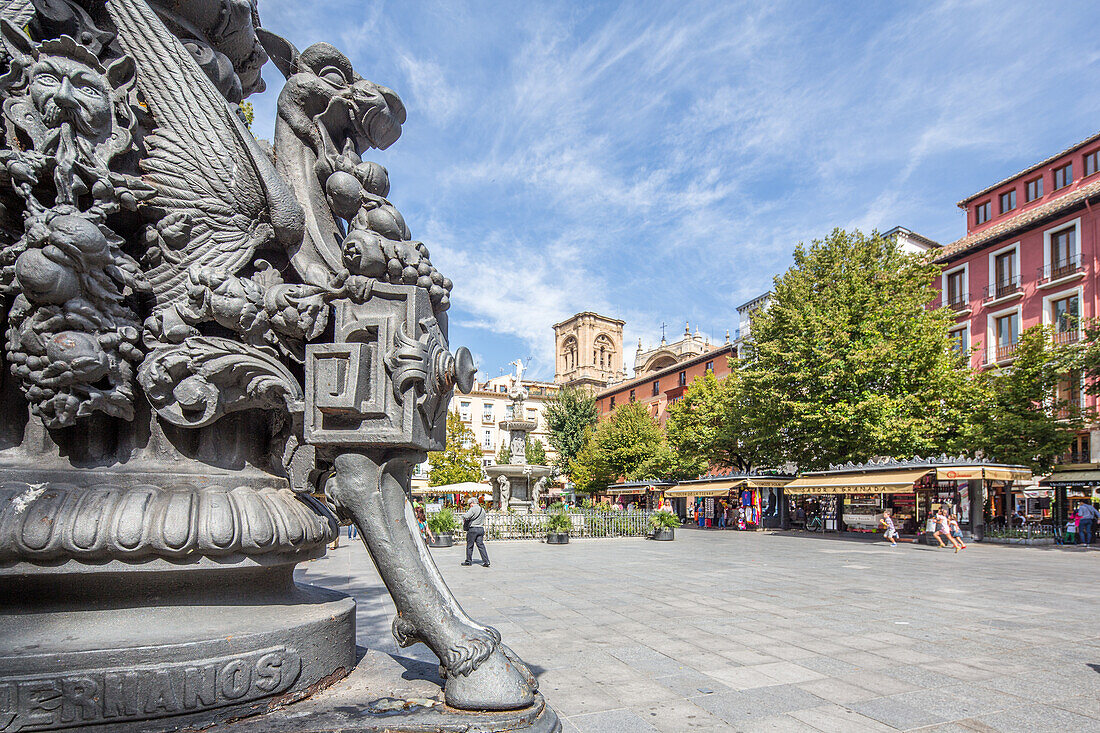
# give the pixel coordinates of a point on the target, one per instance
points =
(585, 524)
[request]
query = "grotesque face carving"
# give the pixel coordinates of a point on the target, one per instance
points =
(61, 85)
(66, 90)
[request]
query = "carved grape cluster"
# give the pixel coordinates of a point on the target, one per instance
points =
(378, 243)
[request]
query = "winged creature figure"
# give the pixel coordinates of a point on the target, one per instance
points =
(220, 194)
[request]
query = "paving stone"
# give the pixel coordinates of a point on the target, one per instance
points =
(623, 627)
(1087, 705)
(692, 684)
(776, 724)
(837, 691)
(612, 721)
(1032, 718)
(837, 719)
(897, 713)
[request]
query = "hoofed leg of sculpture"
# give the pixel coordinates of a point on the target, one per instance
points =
(481, 673)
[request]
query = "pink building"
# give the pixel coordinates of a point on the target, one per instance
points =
(1029, 256)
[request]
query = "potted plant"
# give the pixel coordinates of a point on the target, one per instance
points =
(442, 524)
(558, 524)
(664, 524)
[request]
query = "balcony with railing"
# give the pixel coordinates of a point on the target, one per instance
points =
(1060, 271)
(1005, 351)
(1068, 336)
(1003, 290)
(1073, 457)
(958, 302)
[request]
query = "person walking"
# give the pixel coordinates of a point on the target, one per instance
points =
(422, 523)
(473, 521)
(956, 532)
(1086, 516)
(891, 532)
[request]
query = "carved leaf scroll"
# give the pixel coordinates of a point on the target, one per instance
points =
(194, 383)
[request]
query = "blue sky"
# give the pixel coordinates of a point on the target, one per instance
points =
(658, 161)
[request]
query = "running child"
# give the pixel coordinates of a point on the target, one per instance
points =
(888, 522)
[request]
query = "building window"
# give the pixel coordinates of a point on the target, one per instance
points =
(1033, 189)
(683, 378)
(487, 412)
(710, 366)
(533, 415)
(1068, 395)
(962, 343)
(1063, 253)
(1004, 271)
(1063, 176)
(464, 411)
(957, 297)
(611, 403)
(1092, 162)
(1079, 450)
(1008, 201)
(1064, 314)
(1008, 333)
(487, 440)
(981, 213)
(656, 387)
(632, 395)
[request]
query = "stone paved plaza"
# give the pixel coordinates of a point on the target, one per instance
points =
(734, 631)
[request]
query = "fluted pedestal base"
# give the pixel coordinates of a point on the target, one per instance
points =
(257, 641)
(143, 602)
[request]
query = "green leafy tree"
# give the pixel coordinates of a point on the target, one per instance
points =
(504, 455)
(460, 459)
(848, 362)
(569, 414)
(1029, 411)
(631, 446)
(535, 452)
(248, 112)
(714, 422)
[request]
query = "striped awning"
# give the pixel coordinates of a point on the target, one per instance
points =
(878, 482)
(701, 490)
(721, 488)
(617, 490)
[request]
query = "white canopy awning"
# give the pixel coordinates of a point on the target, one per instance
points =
(466, 487)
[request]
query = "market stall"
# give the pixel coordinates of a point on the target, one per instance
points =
(853, 497)
(642, 494)
(743, 501)
(456, 494)
(1070, 487)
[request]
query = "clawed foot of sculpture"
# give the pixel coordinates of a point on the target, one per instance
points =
(481, 673)
(500, 682)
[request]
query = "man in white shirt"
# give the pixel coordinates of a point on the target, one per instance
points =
(474, 523)
(1087, 516)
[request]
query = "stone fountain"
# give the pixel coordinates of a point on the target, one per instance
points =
(517, 484)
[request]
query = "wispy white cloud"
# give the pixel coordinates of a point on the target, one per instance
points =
(658, 162)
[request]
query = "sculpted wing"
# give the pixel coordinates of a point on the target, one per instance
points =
(203, 163)
(19, 12)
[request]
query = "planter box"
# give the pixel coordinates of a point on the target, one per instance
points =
(557, 538)
(443, 539)
(664, 534)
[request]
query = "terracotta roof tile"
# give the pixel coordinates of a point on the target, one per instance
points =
(1020, 221)
(1030, 168)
